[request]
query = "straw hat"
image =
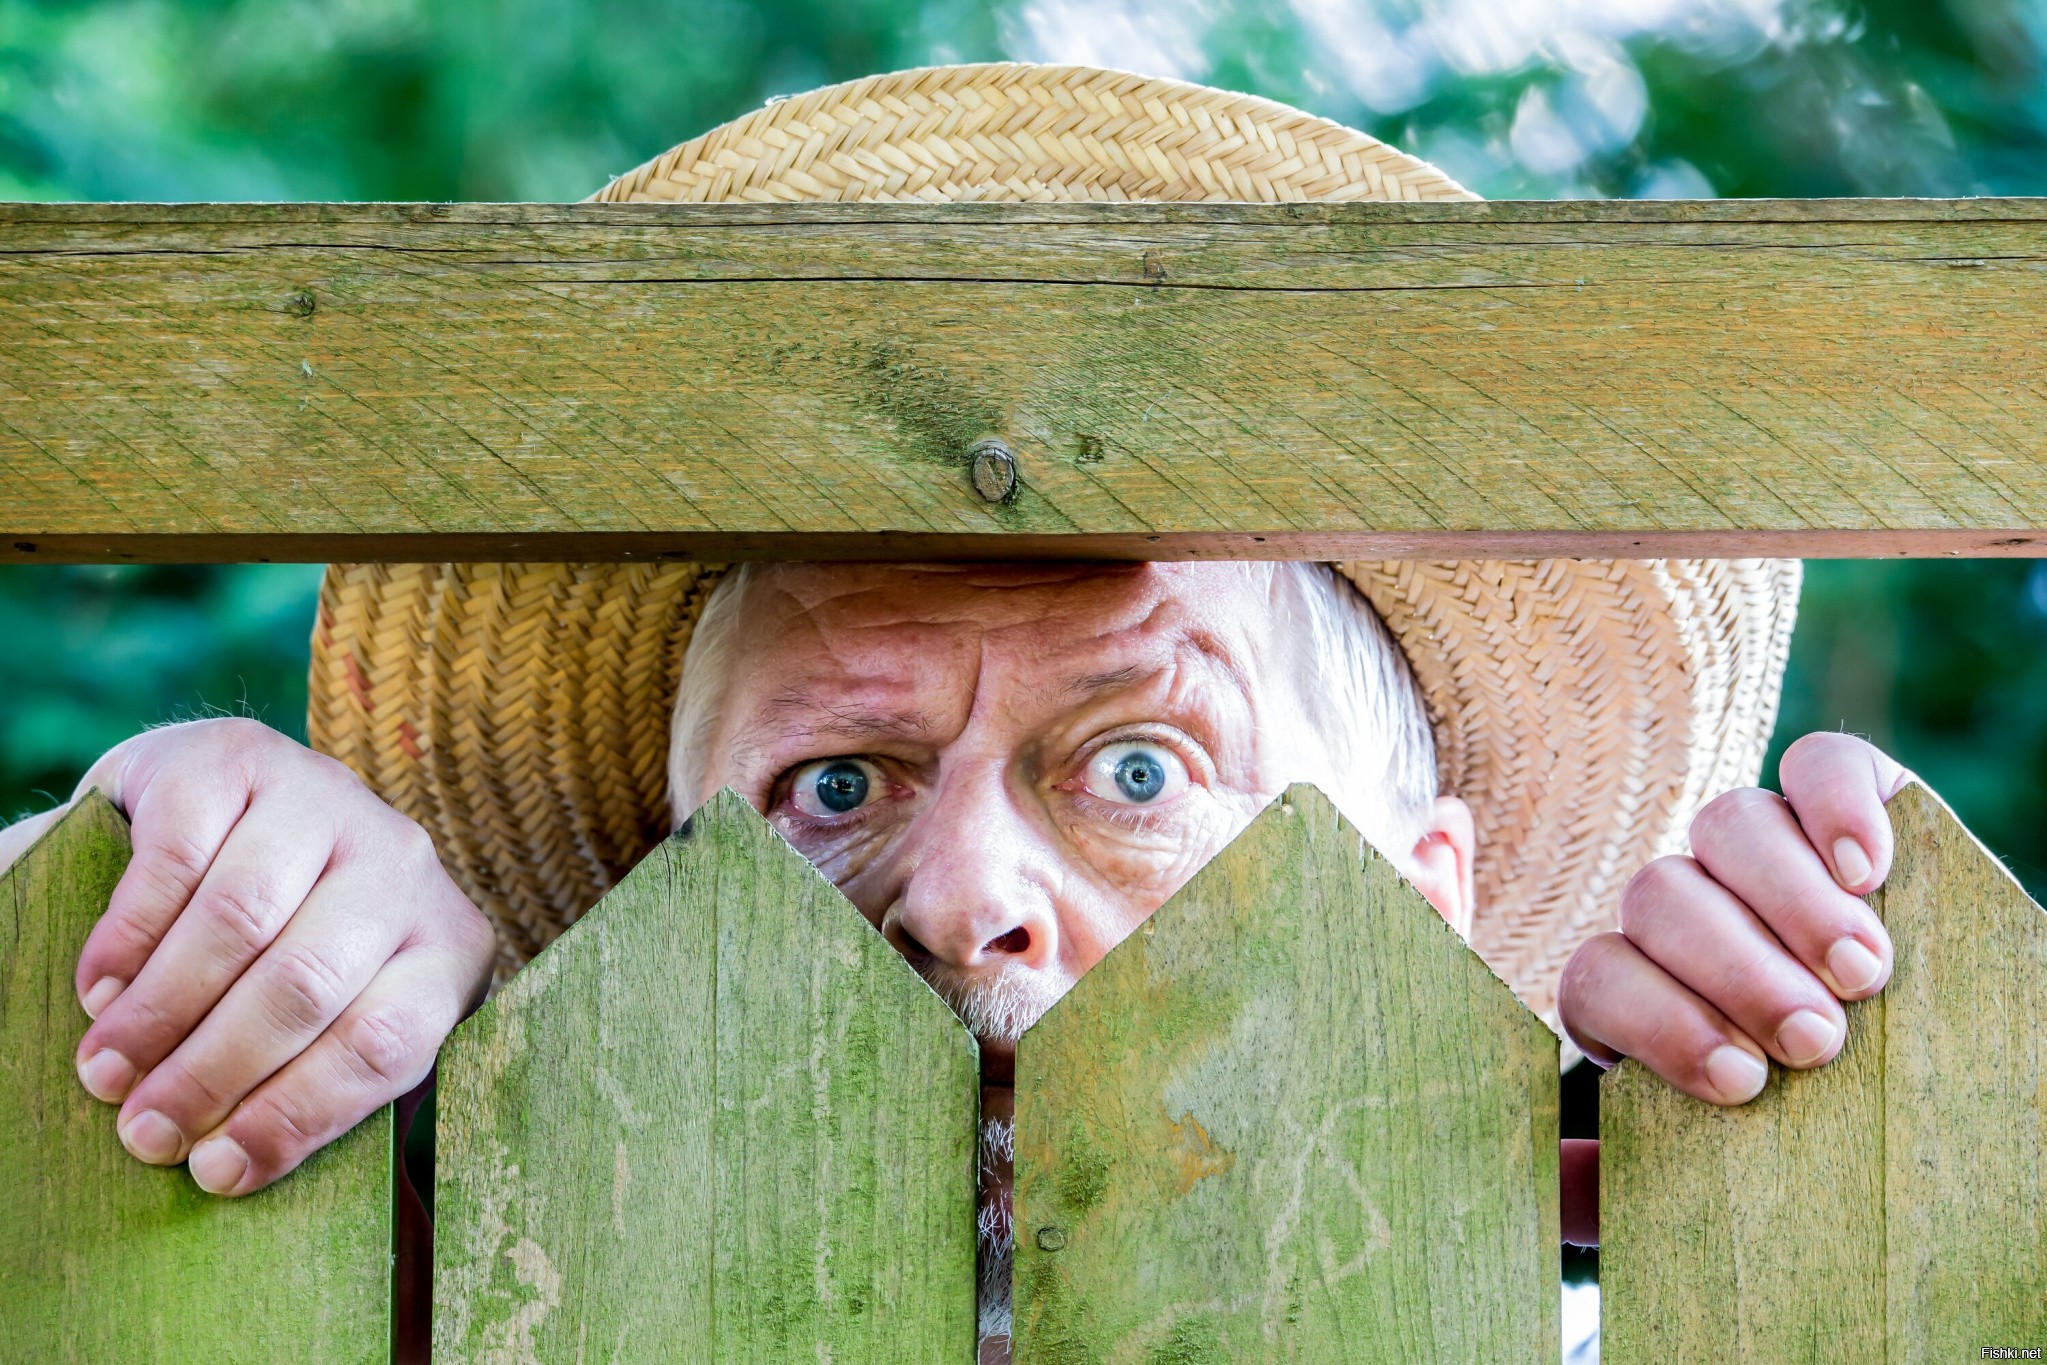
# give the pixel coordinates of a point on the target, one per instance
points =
(1584, 709)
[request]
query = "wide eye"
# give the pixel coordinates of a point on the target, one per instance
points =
(833, 787)
(1136, 772)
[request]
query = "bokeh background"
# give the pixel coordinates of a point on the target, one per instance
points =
(1942, 662)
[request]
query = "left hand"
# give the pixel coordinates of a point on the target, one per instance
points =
(1746, 949)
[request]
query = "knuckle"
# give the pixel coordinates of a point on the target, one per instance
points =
(129, 939)
(174, 861)
(1588, 964)
(1730, 811)
(1820, 745)
(1654, 887)
(305, 990)
(244, 916)
(478, 937)
(195, 1083)
(1744, 986)
(147, 1028)
(239, 732)
(414, 844)
(381, 1047)
(278, 1125)
(183, 1091)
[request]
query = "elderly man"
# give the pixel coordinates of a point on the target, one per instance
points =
(1005, 768)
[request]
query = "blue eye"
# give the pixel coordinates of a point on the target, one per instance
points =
(1140, 776)
(1135, 773)
(834, 786)
(842, 787)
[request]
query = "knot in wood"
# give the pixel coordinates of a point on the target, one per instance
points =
(300, 304)
(993, 470)
(1050, 1239)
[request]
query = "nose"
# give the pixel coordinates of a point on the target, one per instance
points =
(979, 894)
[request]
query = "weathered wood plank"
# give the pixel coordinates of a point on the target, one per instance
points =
(718, 1120)
(1889, 1206)
(103, 1258)
(612, 381)
(1293, 1117)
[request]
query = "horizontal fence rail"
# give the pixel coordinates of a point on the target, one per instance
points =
(432, 382)
(1291, 1118)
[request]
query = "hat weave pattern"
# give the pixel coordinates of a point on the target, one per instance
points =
(1584, 709)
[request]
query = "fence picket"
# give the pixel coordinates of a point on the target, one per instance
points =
(1293, 1117)
(103, 1258)
(718, 1120)
(1887, 1206)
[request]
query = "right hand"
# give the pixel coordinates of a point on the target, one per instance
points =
(282, 957)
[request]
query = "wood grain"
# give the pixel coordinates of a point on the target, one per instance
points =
(1291, 1118)
(718, 1120)
(1888, 1206)
(103, 1258)
(614, 381)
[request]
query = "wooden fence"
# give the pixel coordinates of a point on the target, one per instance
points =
(1293, 1117)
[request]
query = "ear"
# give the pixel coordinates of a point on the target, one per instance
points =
(1440, 864)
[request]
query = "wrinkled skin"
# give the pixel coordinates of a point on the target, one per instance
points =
(285, 954)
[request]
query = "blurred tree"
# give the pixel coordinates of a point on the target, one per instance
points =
(543, 99)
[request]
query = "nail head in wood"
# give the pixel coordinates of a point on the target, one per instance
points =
(994, 470)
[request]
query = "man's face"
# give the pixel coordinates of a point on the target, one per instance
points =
(1008, 768)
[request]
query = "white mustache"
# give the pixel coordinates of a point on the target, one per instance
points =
(1003, 1006)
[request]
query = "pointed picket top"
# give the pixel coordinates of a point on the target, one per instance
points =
(1292, 1117)
(1886, 1206)
(719, 1119)
(104, 1258)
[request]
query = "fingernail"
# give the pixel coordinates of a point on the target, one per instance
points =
(218, 1164)
(101, 995)
(1855, 968)
(1737, 1075)
(151, 1137)
(107, 1075)
(1851, 864)
(1806, 1036)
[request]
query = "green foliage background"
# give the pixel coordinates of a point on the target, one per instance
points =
(1945, 663)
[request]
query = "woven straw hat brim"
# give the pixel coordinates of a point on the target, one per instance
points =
(1583, 708)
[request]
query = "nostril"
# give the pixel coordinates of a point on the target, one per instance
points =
(909, 947)
(1017, 940)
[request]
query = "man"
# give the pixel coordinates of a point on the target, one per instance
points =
(1006, 768)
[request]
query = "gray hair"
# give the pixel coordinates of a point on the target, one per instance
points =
(1382, 768)
(1381, 753)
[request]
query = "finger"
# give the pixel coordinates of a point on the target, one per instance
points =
(266, 866)
(17, 837)
(1752, 844)
(1616, 1003)
(179, 815)
(379, 1048)
(1837, 785)
(1689, 925)
(321, 962)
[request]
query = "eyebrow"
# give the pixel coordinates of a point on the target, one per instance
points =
(810, 718)
(1093, 684)
(1206, 645)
